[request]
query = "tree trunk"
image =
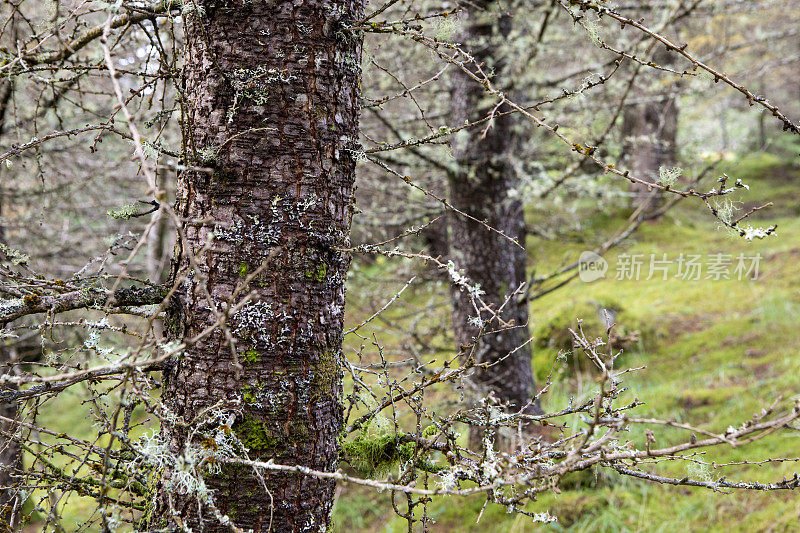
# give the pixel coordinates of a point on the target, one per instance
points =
(650, 131)
(272, 90)
(10, 451)
(483, 189)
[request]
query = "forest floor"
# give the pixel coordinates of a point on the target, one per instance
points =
(716, 352)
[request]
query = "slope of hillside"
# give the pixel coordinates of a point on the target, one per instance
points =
(716, 352)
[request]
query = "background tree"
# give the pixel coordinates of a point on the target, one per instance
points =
(482, 192)
(10, 456)
(650, 129)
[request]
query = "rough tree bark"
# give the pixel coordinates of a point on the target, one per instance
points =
(272, 90)
(650, 131)
(10, 451)
(482, 189)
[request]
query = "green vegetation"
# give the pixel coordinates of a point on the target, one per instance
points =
(254, 434)
(252, 356)
(374, 456)
(716, 352)
(318, 273)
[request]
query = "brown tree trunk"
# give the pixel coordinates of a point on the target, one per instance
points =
(482, 189)
(650, 130)
(10, 451)
(272, 89)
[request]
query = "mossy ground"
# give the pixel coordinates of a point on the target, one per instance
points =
(716, 352)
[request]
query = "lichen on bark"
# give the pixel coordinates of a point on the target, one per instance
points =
(280, 106)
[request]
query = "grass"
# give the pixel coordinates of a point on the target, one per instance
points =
(716, 352)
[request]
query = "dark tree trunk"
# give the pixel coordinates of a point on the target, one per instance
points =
(272, 89)
(437, 243)
(650, 130)
(10, 451)
(483, 189)
(435, 238)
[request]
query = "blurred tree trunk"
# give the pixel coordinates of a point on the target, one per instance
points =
(155, 260)
(437, 243)
(273, 101)
(10, 451)
(484, 189)
(650, 131)
(435, 238)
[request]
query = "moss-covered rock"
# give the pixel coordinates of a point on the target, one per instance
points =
(629, 333)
